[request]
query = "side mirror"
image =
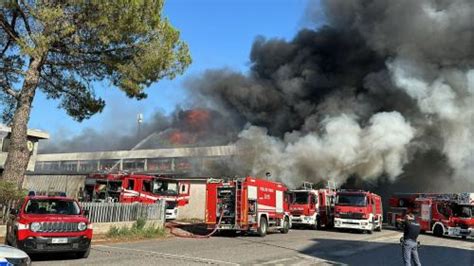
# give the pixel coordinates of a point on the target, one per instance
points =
(85, 212)
(13, 211)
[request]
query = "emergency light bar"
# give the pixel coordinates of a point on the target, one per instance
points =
(47, 193)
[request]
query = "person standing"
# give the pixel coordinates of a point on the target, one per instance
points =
(410, 245)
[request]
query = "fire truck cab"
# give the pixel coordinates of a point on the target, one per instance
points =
(312, 207)
(357, 209)
(148, 189)
(446, 214)
(247, 204)
(49, 223)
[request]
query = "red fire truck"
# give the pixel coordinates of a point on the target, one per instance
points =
(139, 188)
(49, 223)
(357, 209)
(247, 204)
(450, 214)
(312, 207)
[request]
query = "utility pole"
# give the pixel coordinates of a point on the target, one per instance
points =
(139, 125)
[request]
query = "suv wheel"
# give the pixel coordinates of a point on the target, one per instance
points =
(84, 254)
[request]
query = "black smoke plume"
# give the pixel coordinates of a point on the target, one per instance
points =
(380, 97)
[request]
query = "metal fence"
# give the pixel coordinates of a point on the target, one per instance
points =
(101, 212)
(121, 212)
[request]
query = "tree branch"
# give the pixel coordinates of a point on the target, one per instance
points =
(8, 28)
(25, 19)
(9, 39)
(7, 89)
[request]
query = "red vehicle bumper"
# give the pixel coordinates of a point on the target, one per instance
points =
(40, 244)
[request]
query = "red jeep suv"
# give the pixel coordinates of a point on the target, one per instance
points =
(50, 223)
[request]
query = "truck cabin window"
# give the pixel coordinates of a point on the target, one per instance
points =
(463, 211)
(351, 200)
(300, 197)
(52, 206)
(161, 187)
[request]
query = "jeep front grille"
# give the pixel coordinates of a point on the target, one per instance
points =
(48, 227)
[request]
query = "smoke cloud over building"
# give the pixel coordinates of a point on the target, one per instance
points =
(380, 97)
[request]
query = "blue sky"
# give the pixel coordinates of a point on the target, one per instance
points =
(219, 33)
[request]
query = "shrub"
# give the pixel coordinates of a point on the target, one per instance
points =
(138, 230)
(10, 191)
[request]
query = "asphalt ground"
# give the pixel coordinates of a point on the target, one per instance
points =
(298, 247)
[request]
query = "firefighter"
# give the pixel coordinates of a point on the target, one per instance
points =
(409, 241)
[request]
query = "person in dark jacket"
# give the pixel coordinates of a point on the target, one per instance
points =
(410, 244)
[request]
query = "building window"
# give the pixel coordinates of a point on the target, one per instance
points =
(87, 166)
(133, 165)
(68, 166)
(159, 165)
(109, 165)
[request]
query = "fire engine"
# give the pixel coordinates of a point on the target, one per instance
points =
(146, 189)
(450, 214)
(247, 204)
(312, 207)
(357, 209)
(49, 223)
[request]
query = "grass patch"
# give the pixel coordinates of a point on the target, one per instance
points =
(138, 230)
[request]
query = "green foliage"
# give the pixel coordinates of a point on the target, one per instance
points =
(9, 191)
(78, 43)
(138, 230)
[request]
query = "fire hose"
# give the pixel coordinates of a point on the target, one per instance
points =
(173, 225)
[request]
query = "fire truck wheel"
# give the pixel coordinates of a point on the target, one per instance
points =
(438, 230)
(262, 228)
(286, 226)
(379, 228)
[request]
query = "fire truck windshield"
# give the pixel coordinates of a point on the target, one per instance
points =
(52, 206)
(463, 211)
(299, 197)
(351, 199)
(162, 187)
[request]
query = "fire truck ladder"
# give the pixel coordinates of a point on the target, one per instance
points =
(238, 202)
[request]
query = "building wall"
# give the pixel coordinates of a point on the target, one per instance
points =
(196, 208)
(64, 183)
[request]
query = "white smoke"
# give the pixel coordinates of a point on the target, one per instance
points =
(342, 149)
(449, 101)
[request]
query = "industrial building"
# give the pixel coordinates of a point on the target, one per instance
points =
(34, 136)
(68, 171)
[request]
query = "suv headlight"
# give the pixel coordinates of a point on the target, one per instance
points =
(81, 226)
(35, 227)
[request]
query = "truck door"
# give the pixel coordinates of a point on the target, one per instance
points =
(183, 194)
(279, 201)
(425, 214)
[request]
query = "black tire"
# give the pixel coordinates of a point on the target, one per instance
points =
(379, 229)
(318, 223)
(83, 254)
(286, 226)
(262, 227)
(14, 242)
(438, 231)
(464, 237)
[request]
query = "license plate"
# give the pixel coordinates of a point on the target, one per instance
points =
(59, 241)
